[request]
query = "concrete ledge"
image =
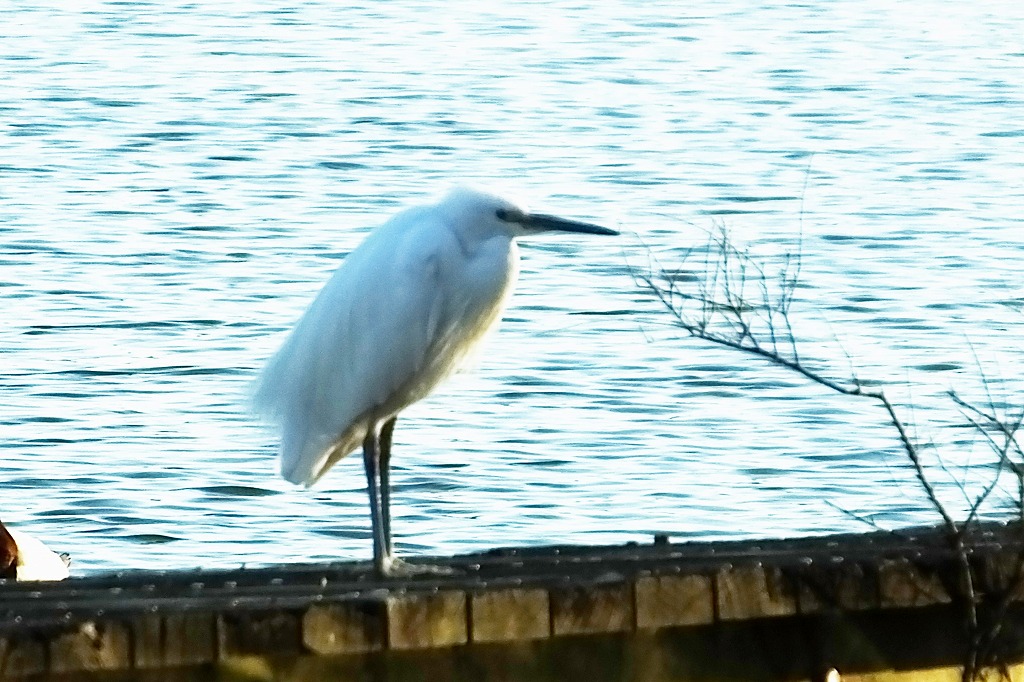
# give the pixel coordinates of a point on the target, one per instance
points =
(660, 612)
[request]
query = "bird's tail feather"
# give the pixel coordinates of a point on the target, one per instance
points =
(305, 460)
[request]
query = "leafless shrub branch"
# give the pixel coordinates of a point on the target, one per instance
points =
(731, 299)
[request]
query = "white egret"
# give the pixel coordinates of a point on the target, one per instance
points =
(23, 557)
(400, 314)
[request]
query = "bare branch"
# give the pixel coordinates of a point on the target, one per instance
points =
(717, 309)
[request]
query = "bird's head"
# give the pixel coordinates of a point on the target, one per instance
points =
(478, 210)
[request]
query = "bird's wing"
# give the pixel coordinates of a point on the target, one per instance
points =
(362, 347)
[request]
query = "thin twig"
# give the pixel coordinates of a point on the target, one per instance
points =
(720, 313)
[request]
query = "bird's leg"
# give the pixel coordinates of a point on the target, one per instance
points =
(371, 462)
(385, 481)
(377, 454)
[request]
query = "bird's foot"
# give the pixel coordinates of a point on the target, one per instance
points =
(393, 567)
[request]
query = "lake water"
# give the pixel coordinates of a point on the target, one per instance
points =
(177, 180)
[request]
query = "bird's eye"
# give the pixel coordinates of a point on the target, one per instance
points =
(502, 214)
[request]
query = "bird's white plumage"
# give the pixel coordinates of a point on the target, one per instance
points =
(35, 560)
(401, 313)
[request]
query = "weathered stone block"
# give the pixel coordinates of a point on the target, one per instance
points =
(189, 638)
(147, 633)
(90, 646)
(592, 608)
(419, 620)
(346, 627)
(837, 586)
(752, 592)
(673, 600)
(512, 614)
(21, 656)
(901, 584)
(246, 633)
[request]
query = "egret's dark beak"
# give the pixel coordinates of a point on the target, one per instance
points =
(544, 223)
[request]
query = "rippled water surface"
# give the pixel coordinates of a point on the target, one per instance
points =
(178, 180)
